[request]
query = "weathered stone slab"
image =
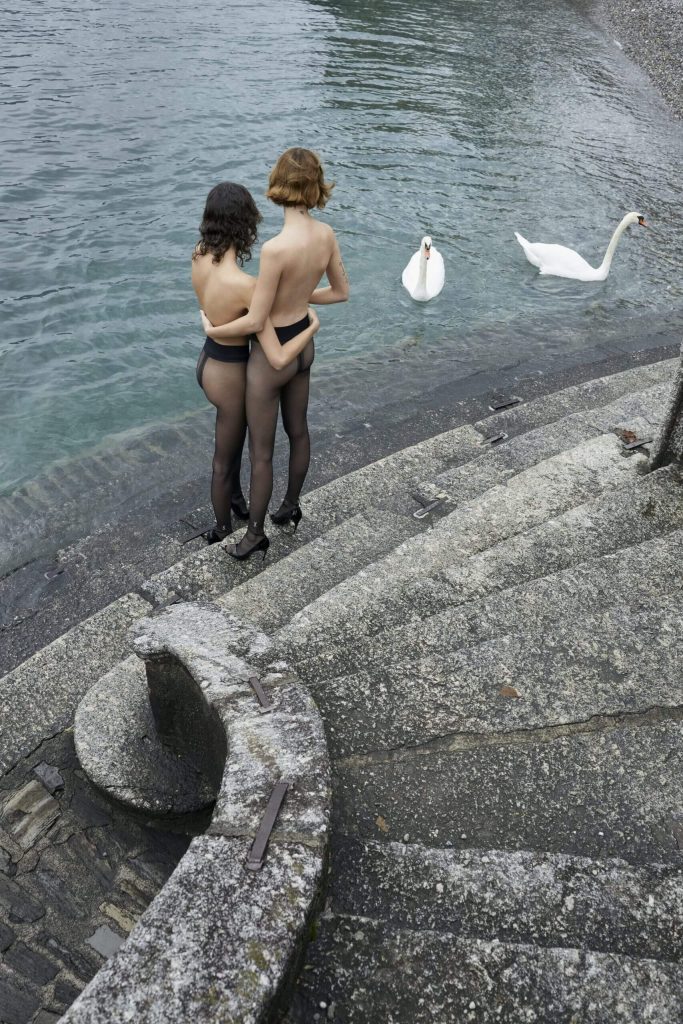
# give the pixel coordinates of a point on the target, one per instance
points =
(117, 744)
(616, 662)
(378, 596)
(378, 484)
(627, 578)
(270, 599)
(38, 698)
(669, 441)
(214, 945)
(578, 398)
(539, 899)
(29, 813)
(610, 793)
(364, 971)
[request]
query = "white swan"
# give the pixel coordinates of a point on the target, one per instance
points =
(425, 274)
(560, 261)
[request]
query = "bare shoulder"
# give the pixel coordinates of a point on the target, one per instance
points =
(245, 283)
(274, 247)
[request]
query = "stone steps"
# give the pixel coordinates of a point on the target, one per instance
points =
(270, 599)
(360, 970)
(640, 412)
(609, 787)
(40, 696)
(382, 485)
(619, 660)
(577, 398)
(625, 578)
(380, 595)
(539, 899)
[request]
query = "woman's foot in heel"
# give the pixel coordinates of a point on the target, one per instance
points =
(287, 513)
(248, 546)
(215, 536)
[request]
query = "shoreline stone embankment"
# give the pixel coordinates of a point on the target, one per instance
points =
(650, 32)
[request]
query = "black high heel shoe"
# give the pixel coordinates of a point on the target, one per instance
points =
(261, 545)
(239, 507)
(284, 515)
(213, 536)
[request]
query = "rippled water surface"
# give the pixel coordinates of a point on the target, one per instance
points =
(466, 120)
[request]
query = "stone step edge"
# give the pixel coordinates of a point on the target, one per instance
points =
(149, 595)
(259, 918)
(556, 575)
(504, 418)
(568, 887)
(423, 546)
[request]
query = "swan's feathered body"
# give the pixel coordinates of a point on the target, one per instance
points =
(425, 274)
(559, 261)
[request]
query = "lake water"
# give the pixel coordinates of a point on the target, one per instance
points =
(467, 120)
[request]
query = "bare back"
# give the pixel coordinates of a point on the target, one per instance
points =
(223, 291)
(303, 250)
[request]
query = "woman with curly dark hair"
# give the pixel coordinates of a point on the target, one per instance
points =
(292, 265)
(227, 233)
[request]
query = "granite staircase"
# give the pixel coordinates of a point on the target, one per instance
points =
(500, 682)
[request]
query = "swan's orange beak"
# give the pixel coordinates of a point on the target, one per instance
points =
(641, 221)
(427, 252)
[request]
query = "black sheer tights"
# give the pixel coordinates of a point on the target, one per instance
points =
(224, 384)
(267, 391)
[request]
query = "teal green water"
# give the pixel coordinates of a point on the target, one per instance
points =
(467, 120)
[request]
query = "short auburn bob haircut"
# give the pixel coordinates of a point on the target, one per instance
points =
(298, 180)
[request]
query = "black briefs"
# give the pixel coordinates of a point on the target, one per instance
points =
(226, 353)
(285, 334)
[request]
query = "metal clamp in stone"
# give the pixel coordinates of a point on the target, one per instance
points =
(175, 729)
(501, 402)
(494, 438)
(257, 853)
(430, 498)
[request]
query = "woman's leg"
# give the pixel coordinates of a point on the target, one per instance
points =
(224, 384)
(294, 402)
(264, 385)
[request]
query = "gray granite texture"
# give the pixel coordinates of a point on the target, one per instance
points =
(553, 900)
(119, 748)
(219, 942)
(215, 943)
(668, 445)
(360, 971)
(38, 699)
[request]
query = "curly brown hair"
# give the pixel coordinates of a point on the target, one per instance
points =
(230, 219)
(298, 180)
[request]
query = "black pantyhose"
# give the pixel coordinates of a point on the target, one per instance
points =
(224, 385)
(267, 391)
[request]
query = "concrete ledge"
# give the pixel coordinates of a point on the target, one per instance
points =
(219, 942)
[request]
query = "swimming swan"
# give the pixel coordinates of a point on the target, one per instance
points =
(562, 262)
(424, 276)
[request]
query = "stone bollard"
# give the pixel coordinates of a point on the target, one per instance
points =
(668, 446)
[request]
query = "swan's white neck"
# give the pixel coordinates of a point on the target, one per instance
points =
(607, 261)
(422, 271)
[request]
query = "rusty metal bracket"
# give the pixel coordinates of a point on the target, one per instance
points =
(428, 501)
(495, 438)
(504, 403)
(264, 700)
(257, 853)
(638, 443)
